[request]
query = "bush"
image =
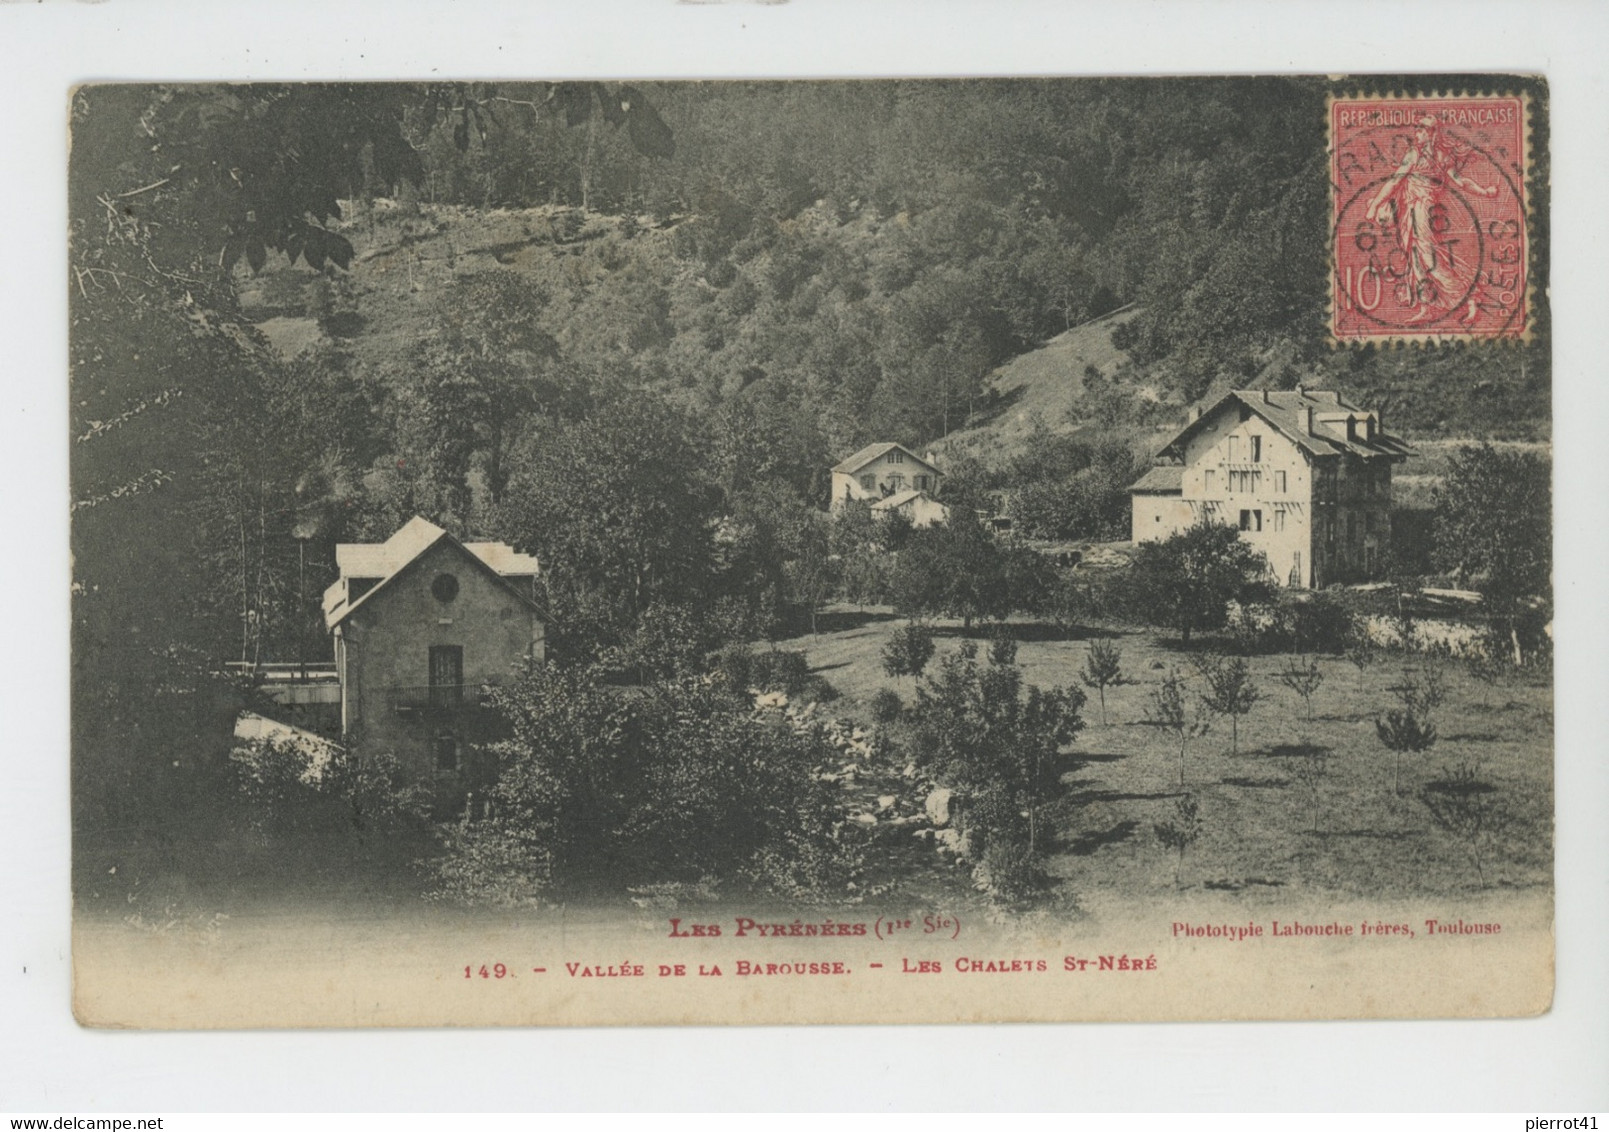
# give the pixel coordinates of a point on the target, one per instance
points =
(682, 784)
(998, 743)
(303, 798)
(1294, 621)
(781, 670)
(734, 668)
(1318, 622)
(908, 650)
(886, 706)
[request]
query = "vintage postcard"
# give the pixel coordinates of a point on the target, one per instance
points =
(613, 553)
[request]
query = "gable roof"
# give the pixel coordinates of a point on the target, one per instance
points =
(1164, 479)
(898, 499)
(389, 560)
(1285, 410)
(866, 455)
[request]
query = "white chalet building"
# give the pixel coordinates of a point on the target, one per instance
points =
(892, 479)
(1304, 475)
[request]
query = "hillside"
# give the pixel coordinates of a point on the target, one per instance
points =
(1041, 389)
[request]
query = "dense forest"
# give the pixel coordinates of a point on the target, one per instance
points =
(630, 329)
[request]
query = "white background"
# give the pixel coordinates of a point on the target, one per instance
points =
(48, 1065)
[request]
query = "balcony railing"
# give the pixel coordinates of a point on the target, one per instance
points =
(438, 699)
(281, 673)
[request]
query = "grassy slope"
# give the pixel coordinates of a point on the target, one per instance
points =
(1040, 388)
(1259, 847)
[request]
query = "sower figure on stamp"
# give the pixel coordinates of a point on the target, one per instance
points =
(1416, 197)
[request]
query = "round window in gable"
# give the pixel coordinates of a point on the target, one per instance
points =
(445, 587)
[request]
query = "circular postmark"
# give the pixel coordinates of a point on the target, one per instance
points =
(1428, 237)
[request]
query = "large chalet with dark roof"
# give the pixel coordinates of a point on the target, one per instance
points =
(1304, 475)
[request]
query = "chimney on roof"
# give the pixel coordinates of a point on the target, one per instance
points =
(1265, 396)
(1195, 413)
(1304, 416)
(1300, 392)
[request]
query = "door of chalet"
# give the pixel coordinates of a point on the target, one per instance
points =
(446, 676)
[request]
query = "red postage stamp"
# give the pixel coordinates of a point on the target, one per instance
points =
(1429, 239)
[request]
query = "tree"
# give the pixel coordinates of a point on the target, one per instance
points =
(1169, 704)
(952, 569)
(812, 576)
(1187, 580)
(1361, 651)
(1303, 676)
(481, 371)
(1230, 691)
(1410, 728)
(1494, 529)
(1102, 667)
(1469, 807)
(908, 650)
(1180, 833)
(958, 569)
(619, 510)
(997, 744)
(1310, 767)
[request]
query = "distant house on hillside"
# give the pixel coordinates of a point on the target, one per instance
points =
(423, 625)
(1306, 476)
(882, 472)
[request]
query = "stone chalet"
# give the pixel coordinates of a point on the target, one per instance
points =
(423, 625)
(1305, 476)
(892, 479)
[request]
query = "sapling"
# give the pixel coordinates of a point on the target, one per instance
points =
(908, 650)
(1303, 676)
(1102, 668)
(1229, 692)
(1180, 833)
(1169, 710)
(1310, 769)
(1361, 653)
(1410, 729)
(1468, 807)
(1490, 663)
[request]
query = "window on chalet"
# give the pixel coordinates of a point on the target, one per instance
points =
(1256, 449)
(1279, 520)
(922, 483)
(896, 457)
(1326, 484)
(1234, 449)
(897, 482)
(1251, 520)
(1244, 482)
(1279, 482)
(869, 481)
(446, 676)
